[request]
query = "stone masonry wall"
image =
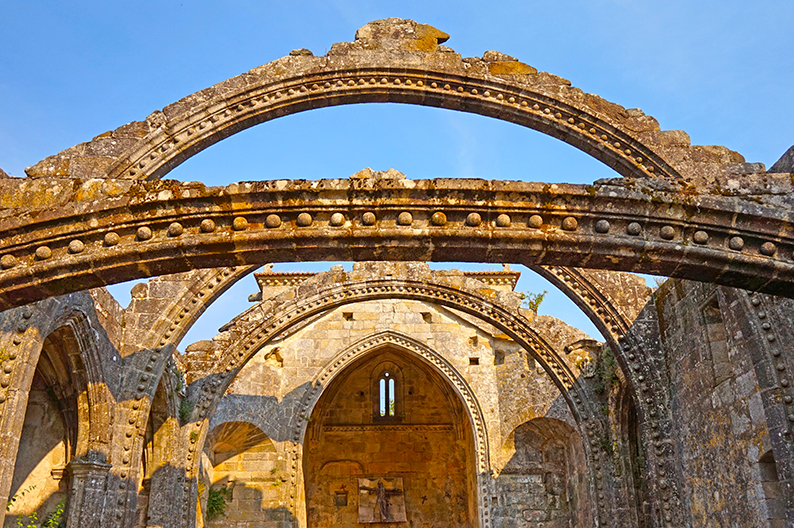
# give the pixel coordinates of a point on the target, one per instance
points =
(428, 445)
(717, 405)
(268, 391)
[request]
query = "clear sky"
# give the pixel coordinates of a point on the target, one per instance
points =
(720, 70)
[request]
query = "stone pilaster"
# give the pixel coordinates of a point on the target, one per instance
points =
(87, 493)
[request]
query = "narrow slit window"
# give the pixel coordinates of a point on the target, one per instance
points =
(391, 397)
(383, 397)
(387, 397)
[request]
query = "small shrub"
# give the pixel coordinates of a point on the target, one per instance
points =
(54, 520)
(217, 502)
(31, 522)
(531, 301)
(185, 409)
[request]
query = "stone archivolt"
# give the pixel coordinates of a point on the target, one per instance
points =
(98, 213)
(612, 225)
(384, 64)
(684, 211)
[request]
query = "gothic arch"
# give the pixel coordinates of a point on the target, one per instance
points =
(672, 216)
(25, 336)
(177, 314)
(88, 361)
(254, 329)
(427, 355)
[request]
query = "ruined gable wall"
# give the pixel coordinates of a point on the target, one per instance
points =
(269, 389)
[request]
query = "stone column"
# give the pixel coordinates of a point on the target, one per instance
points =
(87, 493)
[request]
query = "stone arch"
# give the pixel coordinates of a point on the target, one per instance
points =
(177, 311)
(402, 61)
(71, 321)
(88, 361)
(404, 344)
(85, 357)
(254, 329)
(55, 428)
(157, 228)
(391, 60)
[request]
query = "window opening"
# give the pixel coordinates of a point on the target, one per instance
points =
(387, 395)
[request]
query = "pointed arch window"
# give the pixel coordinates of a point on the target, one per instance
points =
(387, 404)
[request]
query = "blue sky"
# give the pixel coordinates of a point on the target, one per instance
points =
(722, 71)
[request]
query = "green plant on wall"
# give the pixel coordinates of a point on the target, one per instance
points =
(54, 519)
(18, 495)
(606, 374)
(217, 502)
(29, 521)
(185, 408)
(531, 301)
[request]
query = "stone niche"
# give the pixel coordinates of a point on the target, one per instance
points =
(417, 430)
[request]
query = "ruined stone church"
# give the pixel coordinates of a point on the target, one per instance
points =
(390, 394)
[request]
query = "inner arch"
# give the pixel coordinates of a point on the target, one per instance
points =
(423, 457)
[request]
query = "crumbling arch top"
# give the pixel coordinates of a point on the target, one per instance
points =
(401, 61)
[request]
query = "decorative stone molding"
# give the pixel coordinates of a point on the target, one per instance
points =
(255, 329)
(402, 428)
(393, 339)
(385, 64)
(537, 234)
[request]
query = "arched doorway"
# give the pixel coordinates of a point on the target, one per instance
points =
(390, 441)
(50, 435)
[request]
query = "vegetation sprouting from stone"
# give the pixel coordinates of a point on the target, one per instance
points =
(185, 408)
(18, 495)
(531, 301)
(53, 519)
(606, 372)
(217, 502)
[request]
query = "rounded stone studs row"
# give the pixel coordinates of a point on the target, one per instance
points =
(700, 237)
(11, 355)
(736, 243)
(780, 366)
